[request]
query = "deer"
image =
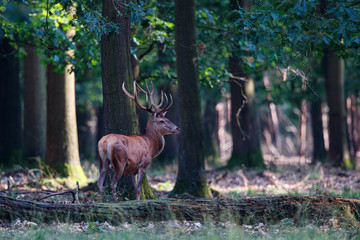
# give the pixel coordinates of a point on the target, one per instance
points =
(131, 155)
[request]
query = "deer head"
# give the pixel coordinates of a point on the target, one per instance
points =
(157, 121)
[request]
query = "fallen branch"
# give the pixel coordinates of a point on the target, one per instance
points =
(75, 194)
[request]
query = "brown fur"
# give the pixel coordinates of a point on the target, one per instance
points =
(132, 154)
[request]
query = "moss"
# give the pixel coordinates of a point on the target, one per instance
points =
(72, 172)
(193, 188)
(146, 191)
(254, 159)
(348, 164)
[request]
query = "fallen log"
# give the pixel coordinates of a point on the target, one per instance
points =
(240, 210)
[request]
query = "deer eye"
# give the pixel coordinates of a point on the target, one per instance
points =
(162, 121)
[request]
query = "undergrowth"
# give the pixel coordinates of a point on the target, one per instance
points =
(177, 230)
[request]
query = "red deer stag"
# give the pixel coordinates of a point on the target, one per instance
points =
(132, 154)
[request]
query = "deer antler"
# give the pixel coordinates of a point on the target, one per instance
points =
(160, 108)
(135, 97)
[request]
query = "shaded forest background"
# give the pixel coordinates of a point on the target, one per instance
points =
(255, 83)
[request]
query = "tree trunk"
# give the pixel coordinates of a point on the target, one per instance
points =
(87, 130)
(273, 122)
(334, 82)
(246, 143)
(10, 105)
(34, 135)
(271, 210)
(357, 129)
(319, 152)
(302, 148)
(62, 152)
(210, 120)
(62, 147)
(119, 110)
(171, 150)
(191, 178)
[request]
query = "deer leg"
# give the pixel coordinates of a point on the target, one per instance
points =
(139, 177)
(114, 182)
(101, 180)
(119, 162)
(134, 179)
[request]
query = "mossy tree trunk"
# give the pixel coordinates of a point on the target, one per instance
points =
(191, 178)
(268, 210)
(119, 114)
(62, 148)
(246, 143)
(10, 105)
(34, 134)
(334, 81)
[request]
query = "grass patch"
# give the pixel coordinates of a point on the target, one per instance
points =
(176, 230)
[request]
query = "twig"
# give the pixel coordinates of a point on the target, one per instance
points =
(146, 52)
(239, 111)
(56, 194)
(75, 194)
(9, 187)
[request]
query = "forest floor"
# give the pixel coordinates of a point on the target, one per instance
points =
(285, 177)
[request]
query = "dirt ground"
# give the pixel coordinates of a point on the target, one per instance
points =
(283, 176)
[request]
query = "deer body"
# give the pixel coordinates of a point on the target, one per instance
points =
(132, 154)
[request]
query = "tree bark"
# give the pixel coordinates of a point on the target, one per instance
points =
(118, 109)
(334, 82)
(268, 210)
(34, 134)
(191, 178)
(170, 153)
(210, 118)
(274, 129)
(62, 147)
(319, 152)
(10, 105)
(246, 149)
(302, 148)
(171, 150)
(87, 130)
(62, 151)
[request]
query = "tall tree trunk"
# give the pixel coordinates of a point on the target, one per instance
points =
(62, 148)
(246, 149)
(171, 150)
(302, 148)
(357, 129)
(191, 178)
(34, 135)
(334, 82)
(10, 106)
(319, 152)
(210, 120)
(274, 129)
(119, 110)
(87, 130)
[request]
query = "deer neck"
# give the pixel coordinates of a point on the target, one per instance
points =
(156, 141)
